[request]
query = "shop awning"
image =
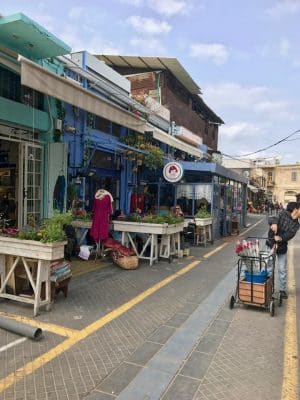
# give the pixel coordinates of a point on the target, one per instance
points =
(25, 36)
(44, 81)
(172, 141)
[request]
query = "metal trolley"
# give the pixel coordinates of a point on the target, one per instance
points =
(256, 289)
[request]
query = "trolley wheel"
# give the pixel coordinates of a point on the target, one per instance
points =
(231, 303)
(280, 300)
(272, 308)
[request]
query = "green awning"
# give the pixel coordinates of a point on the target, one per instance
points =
(26, 37)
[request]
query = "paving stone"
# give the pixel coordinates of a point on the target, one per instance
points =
(182, 388)
(162, 334)
(96, 395)
(219, 327)
(209, 343)
(143, 354)
(197, 365)
(119, 379)
(177, 320)
(188, 308)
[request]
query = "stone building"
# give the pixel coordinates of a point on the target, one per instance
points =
(283, 182)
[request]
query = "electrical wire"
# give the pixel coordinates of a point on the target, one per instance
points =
(267, 147)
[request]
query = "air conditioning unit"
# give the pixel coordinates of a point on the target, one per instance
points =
(58, 125)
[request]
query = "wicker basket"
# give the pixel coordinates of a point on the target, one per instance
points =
(130, 262)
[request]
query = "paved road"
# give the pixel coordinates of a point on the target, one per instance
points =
(163, 332)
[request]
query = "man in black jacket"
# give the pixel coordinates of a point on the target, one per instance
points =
(284, 228)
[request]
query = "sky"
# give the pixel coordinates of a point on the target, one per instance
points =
(244, 55)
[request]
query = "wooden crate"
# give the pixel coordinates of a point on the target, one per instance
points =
(261, 292)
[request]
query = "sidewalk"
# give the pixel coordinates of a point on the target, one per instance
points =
(215, 354)
(116, 326)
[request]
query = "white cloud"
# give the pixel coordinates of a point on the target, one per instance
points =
(284, 47)
(146, 46)
(215, 52)
(76, 12)
(169, 7)
(284, 7)
(148, 25)
(261, 100)
(95, 44)
(239, 130)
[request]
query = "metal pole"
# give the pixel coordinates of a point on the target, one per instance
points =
(20, 328)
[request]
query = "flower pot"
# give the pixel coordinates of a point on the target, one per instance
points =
(203, 221)
(32, 248)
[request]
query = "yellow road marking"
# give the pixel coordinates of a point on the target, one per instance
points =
(77, 336)
(32, 366)
(251, 227)
(290, 363)
(57, 329)
(207, 255)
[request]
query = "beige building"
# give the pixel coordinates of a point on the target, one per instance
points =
(268, 179)
(283, 182)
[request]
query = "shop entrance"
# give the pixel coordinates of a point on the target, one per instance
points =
(20, 183)
(31, 184)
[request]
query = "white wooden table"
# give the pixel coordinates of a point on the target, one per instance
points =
(170, 241)
(36, 258)
(205, 224)
(149, 231)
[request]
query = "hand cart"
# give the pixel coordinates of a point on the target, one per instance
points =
(255, 280)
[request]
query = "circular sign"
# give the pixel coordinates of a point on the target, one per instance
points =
(173, 172)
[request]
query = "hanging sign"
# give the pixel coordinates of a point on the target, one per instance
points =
(173, 172)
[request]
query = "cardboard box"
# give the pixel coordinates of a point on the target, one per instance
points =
(261, 292)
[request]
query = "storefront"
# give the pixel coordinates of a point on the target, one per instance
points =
(220, 190)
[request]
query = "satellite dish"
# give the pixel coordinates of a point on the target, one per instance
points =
(246, 174)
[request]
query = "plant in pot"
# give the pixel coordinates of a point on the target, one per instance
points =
(203, 217)
(202, 213)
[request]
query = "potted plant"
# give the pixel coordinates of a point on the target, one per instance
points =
(203, 217)
(44, 243)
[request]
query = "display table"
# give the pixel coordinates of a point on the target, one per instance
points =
(149, 231)
(170, 241)
(170, 238)
(36, 258)
(82, 227)
(203, 233)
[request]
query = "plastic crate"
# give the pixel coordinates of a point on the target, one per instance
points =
(256, 278)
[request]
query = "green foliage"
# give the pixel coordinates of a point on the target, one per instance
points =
(51, 231)
(60, 219)
(169, 219)
(134, 217)
(155, 219)
(61, 111)
(153, 157)
(202, 213)
(28, 235)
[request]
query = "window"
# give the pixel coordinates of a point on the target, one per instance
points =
(102, 124)
(294, 176)
(11, 88)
